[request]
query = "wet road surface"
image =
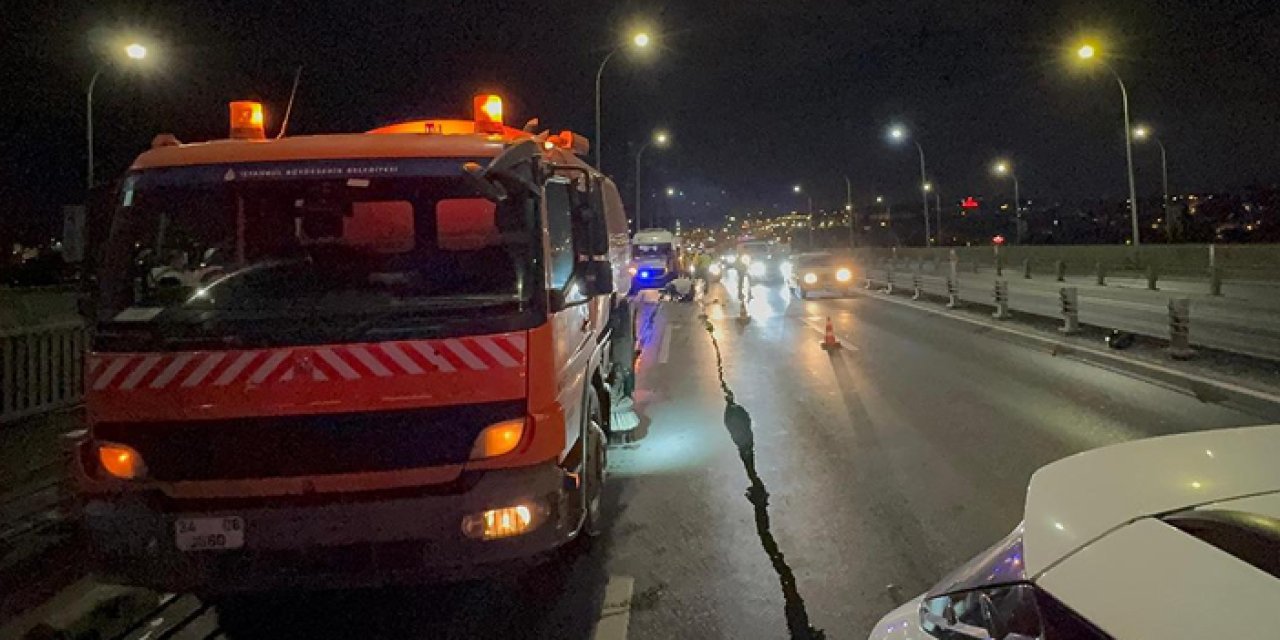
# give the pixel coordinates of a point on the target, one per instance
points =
(778, 494)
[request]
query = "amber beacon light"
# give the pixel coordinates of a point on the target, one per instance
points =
(247, 120)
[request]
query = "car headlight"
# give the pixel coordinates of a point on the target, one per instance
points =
(632, 270)
(714, 269)
(810, 278)
(844, 275)
(756, 269)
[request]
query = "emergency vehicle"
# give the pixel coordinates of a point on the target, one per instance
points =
(655, 258)
(400, 371)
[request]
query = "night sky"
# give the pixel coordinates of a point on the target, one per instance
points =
(758, 95)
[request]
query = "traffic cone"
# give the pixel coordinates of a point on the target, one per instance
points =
(829, 341)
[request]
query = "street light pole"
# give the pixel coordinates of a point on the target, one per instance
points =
(937, 207)
(1017, 206)
(1164, 179)
(599, 142)
(133, 51)
(924, 196)
(639, 155)
(639, 40)
(848, 207)
(661, 138)
(1128, 155)
(88, 130)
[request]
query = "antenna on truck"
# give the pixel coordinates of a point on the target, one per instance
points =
(284, 124)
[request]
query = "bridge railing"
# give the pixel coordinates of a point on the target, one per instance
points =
(41, 368)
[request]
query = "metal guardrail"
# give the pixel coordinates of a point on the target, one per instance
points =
(1244, 330)
(41, 368)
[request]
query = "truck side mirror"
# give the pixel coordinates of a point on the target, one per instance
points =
(597, 277)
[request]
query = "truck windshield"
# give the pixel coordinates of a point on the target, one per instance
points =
(310, 247)
(652, 250)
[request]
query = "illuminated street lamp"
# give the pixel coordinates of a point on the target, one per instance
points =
(1002, 168)
(1141, 133)
(639, 41)
(1088, 52)
(897, 133)
(662, 139)
(133, 51)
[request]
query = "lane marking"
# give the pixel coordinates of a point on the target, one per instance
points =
(664, 351)
(615, 611)
(1097, 353)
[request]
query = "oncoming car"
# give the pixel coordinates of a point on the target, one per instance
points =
(1175, 538)
(826, 272)
(764, 261)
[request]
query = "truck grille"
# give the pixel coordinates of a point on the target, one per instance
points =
(285, 446)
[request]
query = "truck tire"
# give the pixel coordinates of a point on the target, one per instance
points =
(622, 347)
(594, 468)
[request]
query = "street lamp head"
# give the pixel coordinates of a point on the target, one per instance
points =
(879, 199)
(796, 189)
(1141, 132)
(661, 138)
(1000, 168)
(896, 132)
(928, 186)
(1086, 52)
(671, 192)
(135, 51)
(640, 40)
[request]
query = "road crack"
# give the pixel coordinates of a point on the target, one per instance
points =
(738, 422)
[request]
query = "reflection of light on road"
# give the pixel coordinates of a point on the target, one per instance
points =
(683, 443)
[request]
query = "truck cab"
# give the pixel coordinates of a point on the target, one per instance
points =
(353, 359)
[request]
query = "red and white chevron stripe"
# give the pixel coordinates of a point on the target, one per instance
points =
(159, 371)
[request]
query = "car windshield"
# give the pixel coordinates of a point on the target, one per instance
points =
(309, 246)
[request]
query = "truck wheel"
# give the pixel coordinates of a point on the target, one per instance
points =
(594, 468)
(622, 352)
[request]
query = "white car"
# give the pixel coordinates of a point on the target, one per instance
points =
(1175, 538)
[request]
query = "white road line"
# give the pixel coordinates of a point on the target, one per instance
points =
(615, 612)
(665, 350)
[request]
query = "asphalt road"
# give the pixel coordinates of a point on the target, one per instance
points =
(887, 462)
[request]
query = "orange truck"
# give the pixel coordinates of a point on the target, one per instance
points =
(353, 359)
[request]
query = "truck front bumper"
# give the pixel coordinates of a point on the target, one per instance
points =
(330, 541)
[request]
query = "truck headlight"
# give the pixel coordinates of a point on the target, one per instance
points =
(504, 522)
(844, 275)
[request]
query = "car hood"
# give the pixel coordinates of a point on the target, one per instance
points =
(1078, 499)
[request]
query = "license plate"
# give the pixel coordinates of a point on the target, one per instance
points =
(209, 534)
